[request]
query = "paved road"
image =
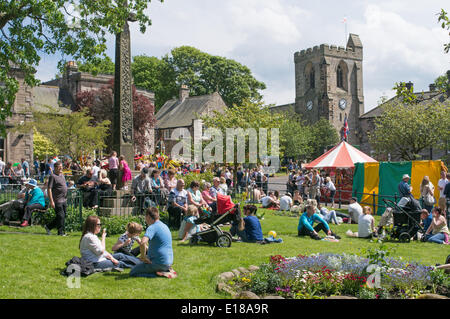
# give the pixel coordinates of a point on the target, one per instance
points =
(278, 183)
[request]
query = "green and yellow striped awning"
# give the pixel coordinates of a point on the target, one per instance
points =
(382, 179)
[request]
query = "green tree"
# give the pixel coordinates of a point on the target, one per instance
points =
(445, 24)
(442, 84)
(295, 137)
(155, 75)
(248, 115)
(42, 146)
(405, 130)
(205, 74)
(75, 28)
(322, 135)
(72, 134)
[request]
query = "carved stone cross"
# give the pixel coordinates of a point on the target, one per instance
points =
(123, 140)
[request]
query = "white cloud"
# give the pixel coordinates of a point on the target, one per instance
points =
(402, 39)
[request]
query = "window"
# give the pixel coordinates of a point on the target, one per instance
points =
(340, 77)
(167, 134)
(312, 79)
(2, 148)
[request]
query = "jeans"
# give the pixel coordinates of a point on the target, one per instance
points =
(58, 222)
(148, 270)
(234, 230)
(331, 217)
(125, 261)
(439, 238)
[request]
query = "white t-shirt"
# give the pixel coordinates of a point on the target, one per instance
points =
(330, 186)
(285, 202)
(91, 248)
(95, 170)
(266, 200)
(441, 184)
(365, 225)
(2, 166)
(355, 210)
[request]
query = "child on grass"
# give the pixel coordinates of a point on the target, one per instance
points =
(126, 241)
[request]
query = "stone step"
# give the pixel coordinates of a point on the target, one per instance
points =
(116, 202)
(122, 211)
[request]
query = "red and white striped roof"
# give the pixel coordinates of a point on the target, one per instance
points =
(342, 155)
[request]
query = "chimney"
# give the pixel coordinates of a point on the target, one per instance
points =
(409, 85)
(432, 87)
(71, 67)
(184, 92)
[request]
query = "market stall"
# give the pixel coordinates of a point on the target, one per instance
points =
(339, 163)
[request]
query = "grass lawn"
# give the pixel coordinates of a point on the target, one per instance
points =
(30, 262)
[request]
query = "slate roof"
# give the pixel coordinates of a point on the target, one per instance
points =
(423, 97)
(45, 96)
(176, 113)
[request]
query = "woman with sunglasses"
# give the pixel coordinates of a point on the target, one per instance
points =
(92, 249)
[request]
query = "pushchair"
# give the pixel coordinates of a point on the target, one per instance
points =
(227, 212)
(406, 217)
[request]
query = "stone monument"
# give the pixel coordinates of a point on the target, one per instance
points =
(123, 140)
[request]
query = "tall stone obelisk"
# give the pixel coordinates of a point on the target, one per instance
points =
(123, 140)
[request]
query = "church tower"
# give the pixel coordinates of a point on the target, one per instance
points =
(329, 84)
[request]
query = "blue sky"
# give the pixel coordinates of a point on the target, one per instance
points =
(402, 39)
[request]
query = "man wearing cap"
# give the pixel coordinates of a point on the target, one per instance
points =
(404, 188)
(34, 199)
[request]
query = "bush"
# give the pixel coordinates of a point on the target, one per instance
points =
(207, 177)
(265, 280)
(116, 225)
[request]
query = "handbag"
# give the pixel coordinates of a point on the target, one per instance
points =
(429, 200)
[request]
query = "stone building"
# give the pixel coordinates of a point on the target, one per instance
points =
(329, 84)
(59, 94)
(181, 113)
(366, 122)
(15, 145)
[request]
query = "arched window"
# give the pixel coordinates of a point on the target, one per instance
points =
(312, 79)
(340, 77)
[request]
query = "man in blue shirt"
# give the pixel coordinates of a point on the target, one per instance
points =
(249, 228)
(306, 223)
(159, 258)
(426, 218)
(404, 188)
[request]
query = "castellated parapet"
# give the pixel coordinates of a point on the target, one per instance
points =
(330, 50)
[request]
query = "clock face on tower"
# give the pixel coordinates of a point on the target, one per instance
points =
(309, 105)
(343, 104)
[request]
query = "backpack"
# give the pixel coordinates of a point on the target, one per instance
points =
(86, 267)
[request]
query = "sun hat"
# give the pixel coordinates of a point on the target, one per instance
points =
(31, 182)
(405, 176)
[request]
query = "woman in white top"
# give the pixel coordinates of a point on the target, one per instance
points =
(366, 225)
(93, 250)
(427, 194)
(330, 186)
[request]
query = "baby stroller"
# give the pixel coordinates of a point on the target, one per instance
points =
(227, 212)
(406, 215)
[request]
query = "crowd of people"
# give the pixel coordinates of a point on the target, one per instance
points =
(186, 204)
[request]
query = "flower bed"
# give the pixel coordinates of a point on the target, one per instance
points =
(322, 275)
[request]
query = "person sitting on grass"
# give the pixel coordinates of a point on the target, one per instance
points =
(354, 211)
(159, 258)
(328, 215)
(270, 201)
(438, 231)
(425, 218)
(93, 250)
(249, 228)
(297, 199)
(188, 226)
(307, 219)
(286, 202)
(126, 241)
(366, 225)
